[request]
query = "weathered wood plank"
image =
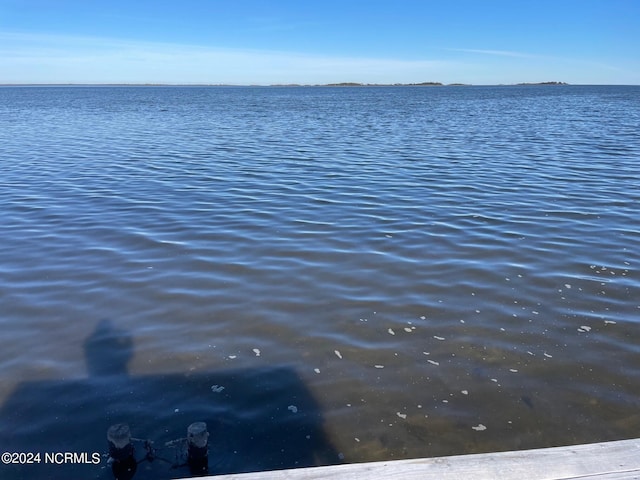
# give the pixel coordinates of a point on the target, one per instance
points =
(600, 461)
(632, 475)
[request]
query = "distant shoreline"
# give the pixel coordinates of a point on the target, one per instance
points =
(339, 84)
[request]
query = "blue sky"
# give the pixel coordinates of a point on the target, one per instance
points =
(309, 42)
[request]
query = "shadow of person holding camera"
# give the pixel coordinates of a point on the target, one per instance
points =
(257, 419)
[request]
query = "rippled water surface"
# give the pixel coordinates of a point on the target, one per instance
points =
(323, 275)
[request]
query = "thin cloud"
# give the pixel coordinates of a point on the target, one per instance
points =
(548, 58)
(500, 53)
(107, 60)
(42, 58)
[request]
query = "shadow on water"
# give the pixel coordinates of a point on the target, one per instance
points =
(258, 419)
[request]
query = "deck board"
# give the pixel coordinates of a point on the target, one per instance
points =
(618, 460)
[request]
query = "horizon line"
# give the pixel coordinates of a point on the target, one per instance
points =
(332, 84)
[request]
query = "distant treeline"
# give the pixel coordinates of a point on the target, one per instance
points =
(544, 83)
(356, 84)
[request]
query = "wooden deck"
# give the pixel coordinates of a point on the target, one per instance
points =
(599, 461)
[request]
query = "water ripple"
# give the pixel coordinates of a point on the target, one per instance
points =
(493, 231)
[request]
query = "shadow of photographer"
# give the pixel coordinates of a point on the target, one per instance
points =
(257, 419)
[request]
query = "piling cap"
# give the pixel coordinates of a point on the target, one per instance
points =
(119, 434)
(197, 434)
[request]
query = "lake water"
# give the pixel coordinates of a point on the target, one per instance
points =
(321, 274)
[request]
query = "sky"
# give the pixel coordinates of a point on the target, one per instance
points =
(265, 42)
